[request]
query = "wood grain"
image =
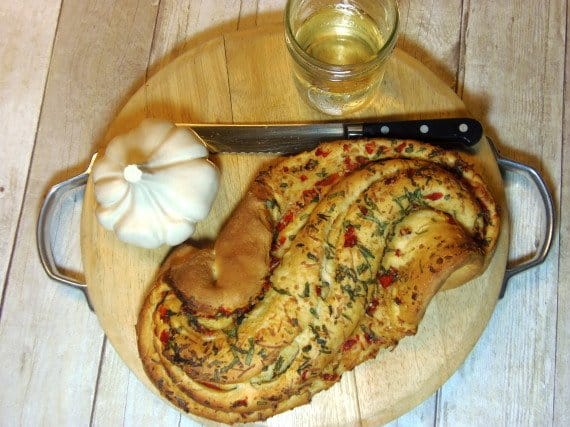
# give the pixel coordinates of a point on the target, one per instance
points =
(256, 81)
(507, 60)
(561, 415)
(431, 33)
(522, 333)
(24, 59)
(179, 26)
(55, 324)
(184, 24)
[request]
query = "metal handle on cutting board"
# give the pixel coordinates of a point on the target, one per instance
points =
(515, 267)
(50, 207)
(56, 193)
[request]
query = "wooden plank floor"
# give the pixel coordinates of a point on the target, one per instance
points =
(68, 67)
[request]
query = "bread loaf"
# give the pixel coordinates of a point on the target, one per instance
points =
(332, 255)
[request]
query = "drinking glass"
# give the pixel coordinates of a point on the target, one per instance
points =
(339, 50)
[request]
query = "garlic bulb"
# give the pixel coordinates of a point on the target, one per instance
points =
(154, 184)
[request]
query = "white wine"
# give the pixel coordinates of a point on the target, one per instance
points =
(346, 50)
(340, 36)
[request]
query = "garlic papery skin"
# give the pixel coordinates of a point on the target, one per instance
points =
(154, 184)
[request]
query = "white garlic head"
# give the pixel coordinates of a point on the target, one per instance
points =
(154, 184)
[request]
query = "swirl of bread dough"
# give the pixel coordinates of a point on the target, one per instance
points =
(344, 249)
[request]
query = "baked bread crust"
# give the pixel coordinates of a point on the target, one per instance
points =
(347, 245)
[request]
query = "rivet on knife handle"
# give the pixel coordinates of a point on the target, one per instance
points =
(463, 130)
(293, 138)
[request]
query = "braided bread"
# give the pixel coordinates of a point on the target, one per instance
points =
(332, 255)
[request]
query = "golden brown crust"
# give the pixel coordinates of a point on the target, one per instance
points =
(208, 280)
(347, 246)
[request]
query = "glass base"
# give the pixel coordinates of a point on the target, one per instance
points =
(335, 103)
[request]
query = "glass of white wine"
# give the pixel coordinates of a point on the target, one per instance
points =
(339, 50)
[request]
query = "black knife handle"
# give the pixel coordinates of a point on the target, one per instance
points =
(465, 131)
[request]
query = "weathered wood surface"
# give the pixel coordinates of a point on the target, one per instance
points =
(69, 67)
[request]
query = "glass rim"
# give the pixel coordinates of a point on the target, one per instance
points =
(349, 69)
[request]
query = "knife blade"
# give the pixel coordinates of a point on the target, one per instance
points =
(459, 132)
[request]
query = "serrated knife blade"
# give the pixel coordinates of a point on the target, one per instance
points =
(461, 132)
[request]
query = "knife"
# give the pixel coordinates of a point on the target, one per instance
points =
(459, 132)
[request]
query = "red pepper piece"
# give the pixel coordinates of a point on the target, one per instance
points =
(349, 165)
(387, 278)
(434, 196)
(163, 312)
(349, 343)
(371, 338)
(329, 180)
(310, 193)
(372, 306)
(165, 336)
(330, 377)
(287, 218)
(350, 238)
(322, 153)
(212, 386)
(369, 147)
(400, 147)
(278, 243)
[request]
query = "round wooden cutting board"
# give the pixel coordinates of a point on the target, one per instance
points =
(245, 77)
